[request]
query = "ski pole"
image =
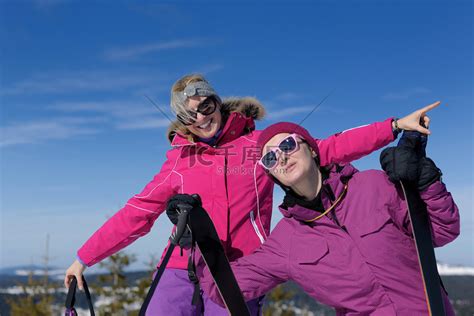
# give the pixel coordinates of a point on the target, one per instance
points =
(420, 224)
(71, 298)
(183, 217)
(424, 247)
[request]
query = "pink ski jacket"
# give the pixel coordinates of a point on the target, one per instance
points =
(236, 194)
(360, 259)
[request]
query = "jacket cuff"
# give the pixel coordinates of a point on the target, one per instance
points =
(81, 261)
(396, 130)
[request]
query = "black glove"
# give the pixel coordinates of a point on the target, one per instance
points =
(429, 173)
(403, 163)
(400, 163)
(172, 212)
(185, 199)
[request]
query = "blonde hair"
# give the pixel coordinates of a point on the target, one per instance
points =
(180, 85)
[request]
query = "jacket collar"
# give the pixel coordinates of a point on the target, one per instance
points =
(332, 188)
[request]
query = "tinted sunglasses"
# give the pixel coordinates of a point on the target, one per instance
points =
(206, 107)
(287, 146)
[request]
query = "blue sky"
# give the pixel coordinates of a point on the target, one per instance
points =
(78, 137)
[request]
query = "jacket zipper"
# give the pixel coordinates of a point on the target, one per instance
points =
(333, 216)
(227, 198)
(255, 227)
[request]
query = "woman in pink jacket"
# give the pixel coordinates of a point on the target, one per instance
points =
(345, 237)
(214, 154)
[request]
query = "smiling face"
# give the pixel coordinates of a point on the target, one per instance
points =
(206, 126)
(292, 169)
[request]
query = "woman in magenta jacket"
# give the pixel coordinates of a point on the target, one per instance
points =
(214, 154)
(345, 237)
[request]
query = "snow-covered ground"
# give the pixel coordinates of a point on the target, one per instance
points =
(52, 273)
(443, 269)
(446, 269)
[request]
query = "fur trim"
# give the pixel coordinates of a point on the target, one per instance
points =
(248, 106)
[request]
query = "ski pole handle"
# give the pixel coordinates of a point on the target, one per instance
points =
(71, 298)
(415, 140)
(182, 222)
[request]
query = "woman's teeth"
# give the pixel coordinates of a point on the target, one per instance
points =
(205, 125)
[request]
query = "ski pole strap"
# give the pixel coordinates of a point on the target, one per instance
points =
(157, 278)
(174, 240)
(197, 299)
(71, 298)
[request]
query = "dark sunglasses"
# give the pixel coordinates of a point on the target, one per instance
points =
(206, 107)
(288, 146)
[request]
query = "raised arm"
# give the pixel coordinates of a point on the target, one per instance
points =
(407, 162)
(357, 142)
(134, 220)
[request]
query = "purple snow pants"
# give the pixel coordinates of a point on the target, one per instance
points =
(174, 293)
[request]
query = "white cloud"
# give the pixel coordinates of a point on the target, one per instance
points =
(120, 115)
(207, 69)
(289, 111)
(288, 96)
(123, 114)
(133, 52)
(43, 130)
(80, 81)
(145, 123)
(405, 94)
(110, 108)
(135, 80)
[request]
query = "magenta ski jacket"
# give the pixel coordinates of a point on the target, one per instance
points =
(236, 194)
(361, 259)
